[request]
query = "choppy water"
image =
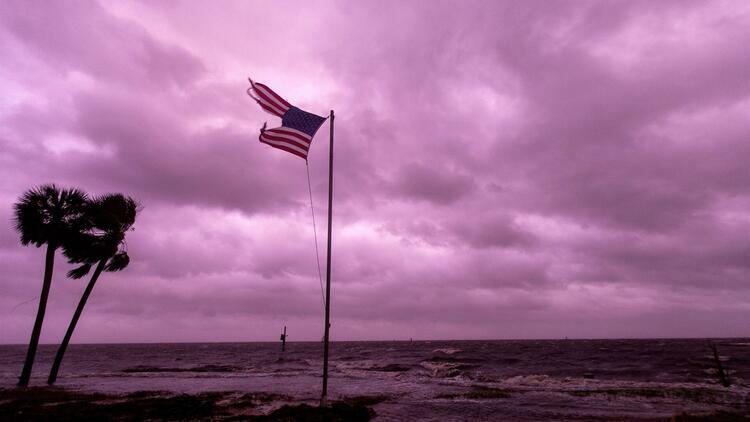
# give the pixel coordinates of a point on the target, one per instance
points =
(429, 380)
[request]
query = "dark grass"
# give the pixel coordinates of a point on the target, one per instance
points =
(48, 404)
(478, 393)
(55, 404)
(366, 400)
(337, 412)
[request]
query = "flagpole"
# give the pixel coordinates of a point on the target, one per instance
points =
(324, 396)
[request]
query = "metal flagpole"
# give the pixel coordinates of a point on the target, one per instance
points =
(323, 398)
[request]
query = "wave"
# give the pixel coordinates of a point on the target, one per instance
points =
(369, 365)
(447, 350)
(442, 369)
(203, 368)
(542, 382)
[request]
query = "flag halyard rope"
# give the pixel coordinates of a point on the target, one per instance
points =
(315, 234)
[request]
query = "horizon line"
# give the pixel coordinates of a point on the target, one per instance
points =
(395, 340)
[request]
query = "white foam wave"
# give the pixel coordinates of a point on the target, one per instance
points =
(441, 369)
(542, 382)
(447, 350)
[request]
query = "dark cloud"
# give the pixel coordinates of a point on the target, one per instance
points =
(436, 185)
(503, 169)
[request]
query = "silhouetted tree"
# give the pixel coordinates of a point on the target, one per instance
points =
(48, 216)
(110, 218)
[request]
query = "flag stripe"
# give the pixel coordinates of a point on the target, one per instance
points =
(287, 133)
(264, 90)
(277, 137)
(290, 130)
(270, 107)
(269, 110)
(286, 147)
(271, 99)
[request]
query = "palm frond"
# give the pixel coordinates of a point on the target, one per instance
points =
(118, 262)
(48, 214)
(108, 218)
(85, 247)
(113, 212)
(80, 271)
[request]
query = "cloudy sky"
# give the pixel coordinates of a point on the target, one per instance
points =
(524, 169)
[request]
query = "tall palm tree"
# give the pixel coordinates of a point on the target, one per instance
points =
(110, 216)
(52, 216)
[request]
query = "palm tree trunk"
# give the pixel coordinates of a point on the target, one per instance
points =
(49, 264)
(73, 322)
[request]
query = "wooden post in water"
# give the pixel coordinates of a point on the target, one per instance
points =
(324, 395)
(723, 376)
(283, 340)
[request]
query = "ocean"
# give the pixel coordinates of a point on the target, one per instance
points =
(428, 380)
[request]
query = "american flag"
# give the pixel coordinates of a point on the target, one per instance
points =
(297, 126)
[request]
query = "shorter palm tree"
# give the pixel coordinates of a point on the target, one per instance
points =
(52, 216)
(110, 216)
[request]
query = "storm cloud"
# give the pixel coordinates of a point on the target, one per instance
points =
(503, 169)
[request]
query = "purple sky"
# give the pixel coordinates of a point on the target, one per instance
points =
(504, 169)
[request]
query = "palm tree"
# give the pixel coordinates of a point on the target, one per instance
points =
(110, 216)
(47, 215)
